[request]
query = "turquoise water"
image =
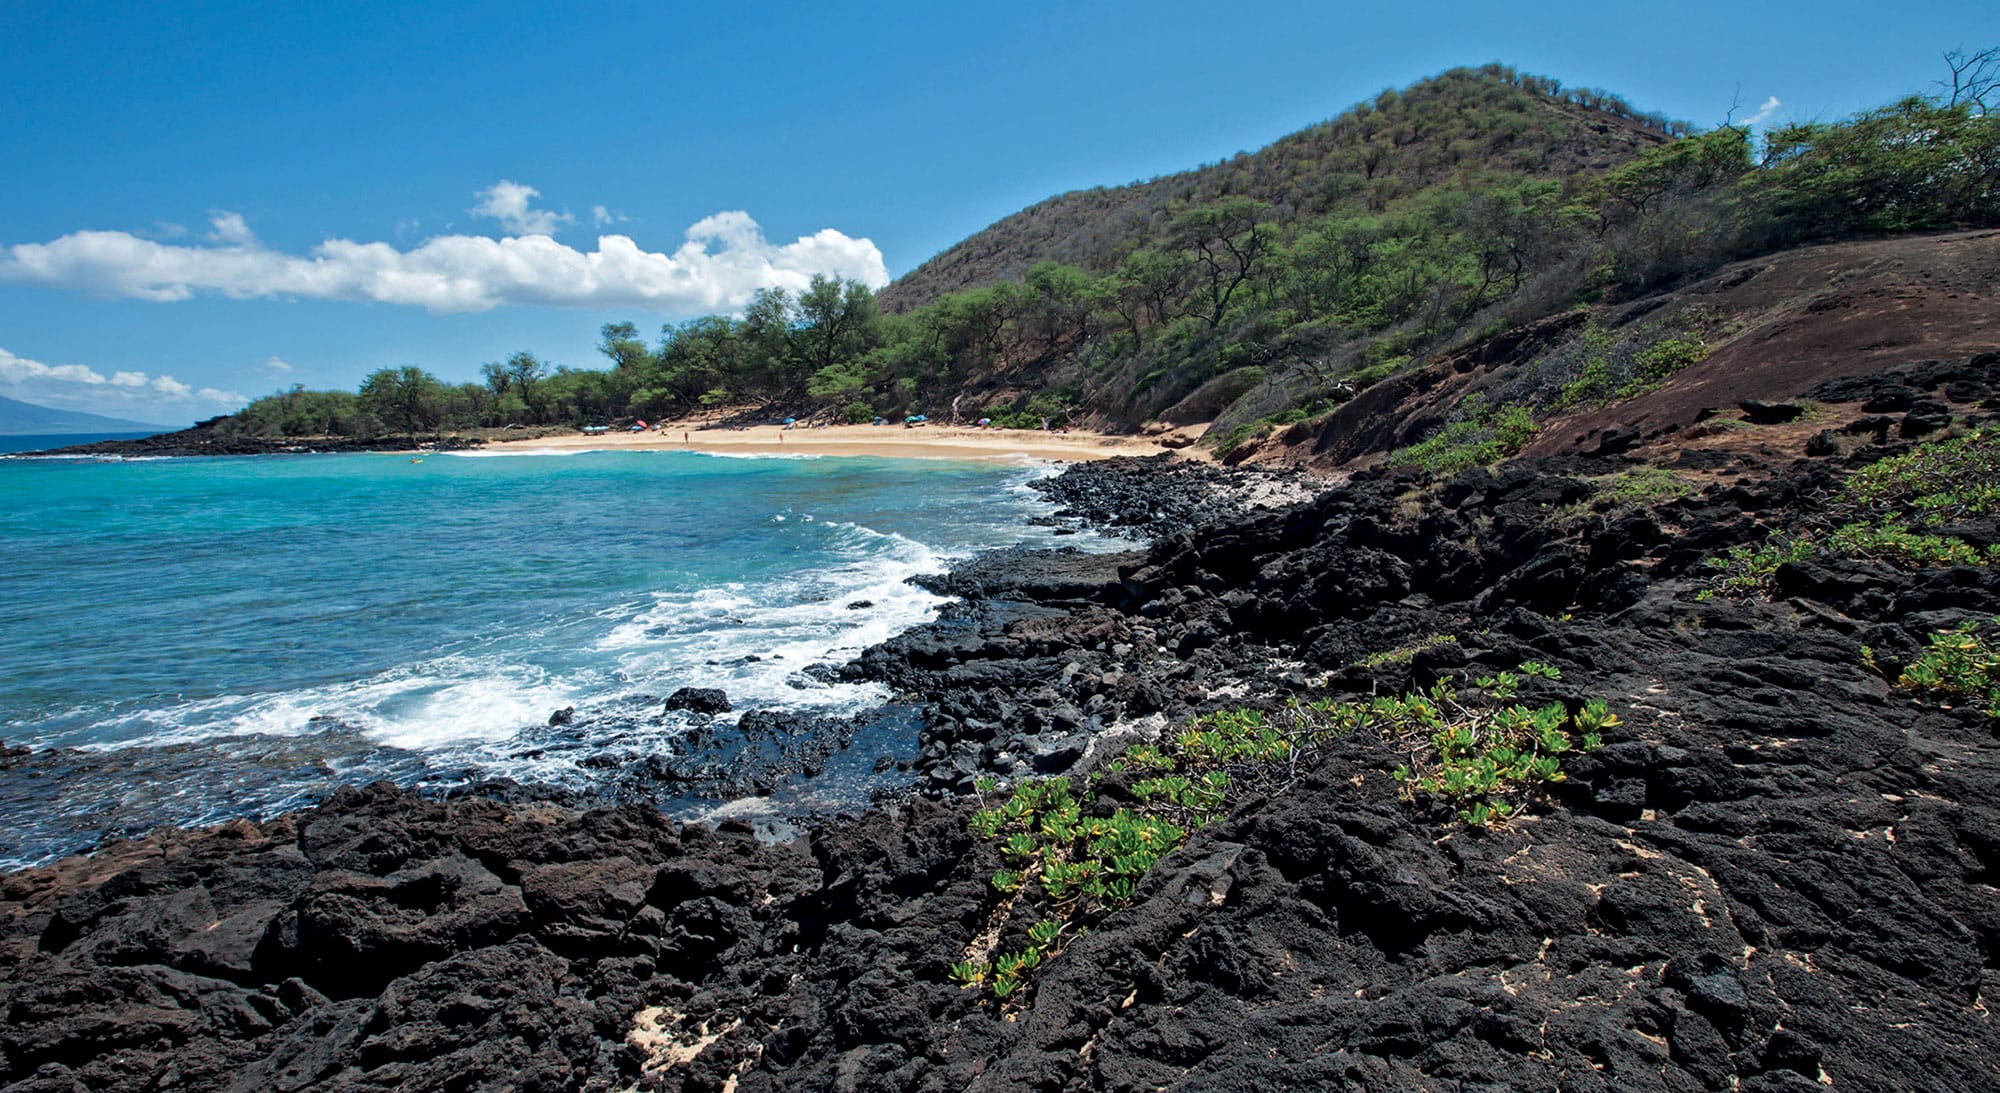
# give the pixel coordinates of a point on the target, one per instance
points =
(220, 637)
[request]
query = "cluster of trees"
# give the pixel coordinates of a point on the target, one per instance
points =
(410, 401)
(1267, 285)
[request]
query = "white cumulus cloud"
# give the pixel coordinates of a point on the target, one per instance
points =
(508, 203)
(723, 261)
(124, 394)
(1769, 107)
(229, 229)
(276, 364)
(172, 388)
(17, 371)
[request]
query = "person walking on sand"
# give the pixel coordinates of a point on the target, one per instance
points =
(685, 442)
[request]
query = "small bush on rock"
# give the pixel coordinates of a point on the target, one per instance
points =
(1935, 483)
(1963, 661)
(1485, 435)
(1075, 856)
(1942, 481)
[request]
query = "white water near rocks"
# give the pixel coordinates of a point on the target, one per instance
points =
(192, 640)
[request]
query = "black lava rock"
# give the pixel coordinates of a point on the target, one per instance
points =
(702, 700)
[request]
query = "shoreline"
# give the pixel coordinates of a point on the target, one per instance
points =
(880, 441)
(950, 442)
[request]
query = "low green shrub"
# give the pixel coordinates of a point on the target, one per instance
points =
(1072, 855)
(1404, 654)
(1484, 435)
(1485, 762)
(1963, 661)
(1033, 412)
(1640, 486)
(1907, 548)
(1941, 481)
(1369, 376)
(1934, 483)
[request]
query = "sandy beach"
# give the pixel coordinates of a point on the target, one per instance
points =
(887, 441)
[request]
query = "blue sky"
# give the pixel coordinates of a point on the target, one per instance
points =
(207, 201)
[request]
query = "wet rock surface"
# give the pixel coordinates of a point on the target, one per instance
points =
(1777, 875)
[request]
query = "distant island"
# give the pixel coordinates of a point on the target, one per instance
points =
(19, 418)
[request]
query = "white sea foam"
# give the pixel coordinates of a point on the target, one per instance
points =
(440, 702)
(754, 640)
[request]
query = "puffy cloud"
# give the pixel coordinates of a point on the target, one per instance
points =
(171, 387)
(508, 203)
(78, 387)
(601, 216)
(721, 265)
(17, 371)
(230, 230)
(1770, 106)
(276, 364)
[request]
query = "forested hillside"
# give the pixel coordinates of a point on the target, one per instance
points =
(1269, 289)
(1452, 129)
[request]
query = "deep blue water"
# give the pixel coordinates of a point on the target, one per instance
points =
(234, 636)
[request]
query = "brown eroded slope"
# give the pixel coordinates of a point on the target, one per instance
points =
(1780, 325)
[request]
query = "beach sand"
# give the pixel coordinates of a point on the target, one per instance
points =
(887, 441)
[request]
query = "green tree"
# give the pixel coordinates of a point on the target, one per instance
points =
(836, 322)
(1916, 165)
(525, 375)
(696, 358)
(405, 400)
(1227, 238)
(620, 342)
(766, 332)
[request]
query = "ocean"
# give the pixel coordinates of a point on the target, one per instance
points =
(213, 638)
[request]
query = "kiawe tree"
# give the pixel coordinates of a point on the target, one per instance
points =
(525, 374)
(620, 342)
(836, 322)
(1227, 242)
(405, 400)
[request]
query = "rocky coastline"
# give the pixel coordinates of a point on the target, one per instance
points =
(1777, 874)
(208, 438)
